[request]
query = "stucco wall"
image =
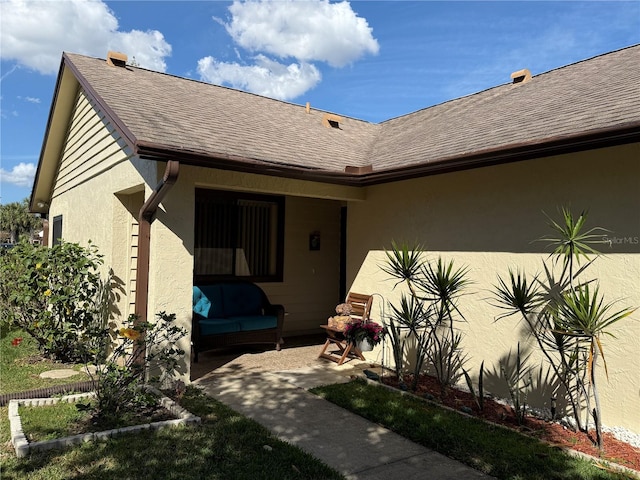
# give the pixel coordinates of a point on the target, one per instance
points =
(93, 188)
(487, 219)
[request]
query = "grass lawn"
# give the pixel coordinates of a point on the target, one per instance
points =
(21, 365)
(496, 451)
(225, 446)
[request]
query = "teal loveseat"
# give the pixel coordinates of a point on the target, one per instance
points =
(233, 313)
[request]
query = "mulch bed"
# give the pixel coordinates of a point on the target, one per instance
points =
(615, 451)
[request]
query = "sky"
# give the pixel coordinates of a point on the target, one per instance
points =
(371, 60)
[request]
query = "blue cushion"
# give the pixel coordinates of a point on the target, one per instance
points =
(213, 293)
(201, 304)
(218, 325)
(242, 299)
(257, 322)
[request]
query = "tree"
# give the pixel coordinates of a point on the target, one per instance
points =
(16, 219)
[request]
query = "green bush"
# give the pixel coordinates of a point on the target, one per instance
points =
(57, 296)
(141, 348)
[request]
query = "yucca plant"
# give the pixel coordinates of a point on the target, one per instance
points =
(570, 242)
(565, 316)
(410, 315)
(404, 263)
(478, 398)
(428, 313)
(519, 381)
(585, 316)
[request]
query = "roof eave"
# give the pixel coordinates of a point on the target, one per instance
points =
(619, 135)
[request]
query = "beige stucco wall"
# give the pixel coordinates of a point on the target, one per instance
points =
(486, 219)
(96, 180)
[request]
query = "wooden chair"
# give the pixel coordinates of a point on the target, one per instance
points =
(361, 308)
(360, 305)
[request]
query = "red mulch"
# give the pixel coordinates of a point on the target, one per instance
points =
(615, 451)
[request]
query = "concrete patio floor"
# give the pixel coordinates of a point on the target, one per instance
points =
(272, 388)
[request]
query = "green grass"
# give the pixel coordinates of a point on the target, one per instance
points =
(499, 452)
(226, 446)
(19, 373)
(51, 421)
(63, 419)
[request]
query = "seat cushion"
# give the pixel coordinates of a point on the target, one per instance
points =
(242, 299)
(214, 326)
(257, 322)
(207, 301)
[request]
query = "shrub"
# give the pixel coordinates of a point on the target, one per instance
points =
(57, 296)
(140, 349)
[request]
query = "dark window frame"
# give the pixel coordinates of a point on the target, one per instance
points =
(233, 196)
(56, 230)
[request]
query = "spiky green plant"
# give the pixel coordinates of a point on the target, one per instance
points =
(403, 263)
(429, 311)
(584, 315)
(478, 398)
(565, 316)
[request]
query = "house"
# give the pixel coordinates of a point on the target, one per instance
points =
(306, 201)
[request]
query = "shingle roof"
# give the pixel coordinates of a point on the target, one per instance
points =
(190, 119)
(592, 95)
(198, 118)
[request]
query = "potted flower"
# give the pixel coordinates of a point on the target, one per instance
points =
(363, 334)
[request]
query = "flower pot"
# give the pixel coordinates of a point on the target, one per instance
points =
(365, 345)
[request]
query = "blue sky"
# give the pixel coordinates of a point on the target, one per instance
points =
(363, 59)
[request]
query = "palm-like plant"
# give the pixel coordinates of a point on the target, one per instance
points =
(570, 242)
(585, 316)
(404, 263)
(16, 219)
(564, 315)
(429, 311)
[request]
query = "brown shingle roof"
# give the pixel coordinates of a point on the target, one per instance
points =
(165, 115)
(596, 94)
(206, 120)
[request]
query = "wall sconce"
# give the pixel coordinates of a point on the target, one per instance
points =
(42, 204)
(314, 241)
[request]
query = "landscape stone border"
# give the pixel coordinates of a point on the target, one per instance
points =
(23, 447)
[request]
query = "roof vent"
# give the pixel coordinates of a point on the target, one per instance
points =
(358, 170)
(116, 59)
(521, 76)
(331, 121)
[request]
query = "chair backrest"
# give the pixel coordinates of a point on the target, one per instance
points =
(360, 305)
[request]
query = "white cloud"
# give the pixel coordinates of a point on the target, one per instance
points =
(34, 33)
(308, 31)
(21, 175)
(266, 77)
(30, 99)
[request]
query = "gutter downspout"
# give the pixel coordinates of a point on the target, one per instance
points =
(145, 218)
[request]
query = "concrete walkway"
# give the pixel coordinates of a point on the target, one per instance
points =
(357, 448)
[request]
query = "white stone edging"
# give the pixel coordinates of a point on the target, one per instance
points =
(23, 447)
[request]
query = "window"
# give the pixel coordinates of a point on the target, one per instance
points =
(57, 230)
(238, 235)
